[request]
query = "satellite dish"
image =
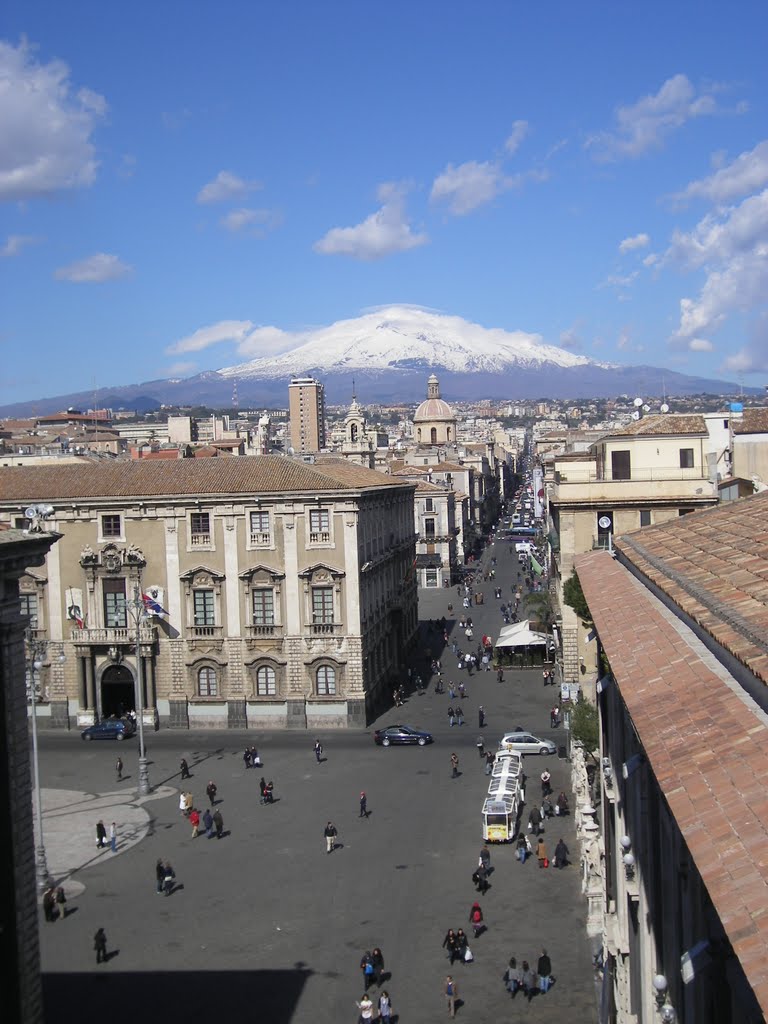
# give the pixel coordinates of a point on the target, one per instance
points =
(636, 415)
(637, 403)
(30, 513)
(664, 407)
(604, 522)
(646, 408)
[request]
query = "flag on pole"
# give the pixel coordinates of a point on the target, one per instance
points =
(152, 606)
(535, 566)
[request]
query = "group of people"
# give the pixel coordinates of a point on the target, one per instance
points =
(251, 758)
(101, 836)
(165, 878)
(372, 966)
(54, 903)
(525, 979)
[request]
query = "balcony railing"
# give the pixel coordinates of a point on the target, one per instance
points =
(113, 635)
(259, 539)
(325, 628)
(205, 632)
(200, 540)
(319, 537)
(262, 629)
(591, 475)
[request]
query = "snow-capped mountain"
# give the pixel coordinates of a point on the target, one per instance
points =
(402, 338)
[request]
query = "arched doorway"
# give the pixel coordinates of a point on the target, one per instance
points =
(118, 693)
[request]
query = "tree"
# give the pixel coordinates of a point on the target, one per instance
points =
(584, 726)
(573, 596)
(538, 608)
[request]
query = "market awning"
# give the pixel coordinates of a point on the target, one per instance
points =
(520, 634)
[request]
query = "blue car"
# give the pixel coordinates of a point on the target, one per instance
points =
(109, 729)
(401, 734)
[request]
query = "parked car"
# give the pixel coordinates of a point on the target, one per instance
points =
(109, 729)
(526, 743)
(401, 734)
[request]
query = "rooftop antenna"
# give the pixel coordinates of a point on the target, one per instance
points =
(235, 399)
(354, 393)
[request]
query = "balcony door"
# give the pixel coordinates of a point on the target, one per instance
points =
(115, 614)
(620, 466)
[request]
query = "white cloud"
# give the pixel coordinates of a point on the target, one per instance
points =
(385, 232)
(571, 339)
(45, 127)
(644, 125)
(700, 345)
(181, 369)
(651, 259)
(94, 270)
(224, 330)
(15, 243)
(519, 132)
(255, 222)
(634, 242)
(470, 185)
(619, 280)
(753, 357)
(746, 174)
(270, 341)
(226, 187)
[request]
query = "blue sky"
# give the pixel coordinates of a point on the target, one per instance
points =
(176, 176)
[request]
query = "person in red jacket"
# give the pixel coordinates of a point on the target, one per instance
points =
(476, 918)
(194, 820)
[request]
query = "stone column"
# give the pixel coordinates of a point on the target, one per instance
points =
(90, 687)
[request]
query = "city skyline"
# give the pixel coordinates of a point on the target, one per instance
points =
(181, 196)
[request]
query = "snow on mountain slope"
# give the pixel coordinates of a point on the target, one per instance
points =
(401, 337)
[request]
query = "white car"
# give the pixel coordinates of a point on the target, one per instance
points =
(526, 743)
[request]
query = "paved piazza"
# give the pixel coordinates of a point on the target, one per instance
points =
(264, 926)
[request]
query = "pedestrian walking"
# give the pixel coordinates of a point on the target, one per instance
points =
(385, 1006)
(113, 837)
(449, 945)
(159, 877)
(184, 769)
(255, 759)
(169, 876)
(534, 821)
(546, 787)
(489, 756)
(262, 790)
(451, 716)
(211, 790)
(513, 977)
(541, 854)
(378, 965)
(500, 675)
(363, 805)
(208, 823)
(194, 820)
(100, 945)
(366, 966)
(331, 833)
(318, 751)
(480, 717)
(365, 1006)
(529, 981)
(247, 758)
(101, 834)
(454, 765)
(476, 919)
(61, 902)
(554, 717)
(119, 769)
(561, 853)
(544, 971)
(49, 905)
(218, 822)
(462, 687)
(459, 715)
(461, 944)
(485, 858)
(451, 690)
(562, 804)
(451, 992)
(269, 792)
(480, 878)
(480, 746)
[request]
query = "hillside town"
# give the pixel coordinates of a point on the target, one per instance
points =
(313, 568)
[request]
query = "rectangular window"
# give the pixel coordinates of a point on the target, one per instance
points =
(260, 534)
(204, 607)
(429, 527)
(645, 517)
(263, 607)
(111, 526)
(620, 466)
(430, 579)
(28, 604)
(115, 610)
(322, 605)
(429, 505)
(200, 529)
(686, 458)
(319, 526)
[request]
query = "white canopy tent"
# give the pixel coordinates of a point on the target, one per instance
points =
(520, 634)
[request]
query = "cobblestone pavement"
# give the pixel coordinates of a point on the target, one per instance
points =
(264, 922)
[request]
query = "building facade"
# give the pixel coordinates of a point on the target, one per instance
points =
(261, 592)
(306, 410)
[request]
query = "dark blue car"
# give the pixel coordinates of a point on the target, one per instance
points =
(401, 734)
(109, 729)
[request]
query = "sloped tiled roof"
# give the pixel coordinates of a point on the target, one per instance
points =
(669, 425)
(705, 745)
(204, 477)
(752, 421)
(714, 564)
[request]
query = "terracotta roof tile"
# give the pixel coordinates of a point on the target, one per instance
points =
(668, 425)
(752, 421)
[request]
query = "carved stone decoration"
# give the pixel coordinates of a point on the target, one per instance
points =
(134, 556)
(88, 557)
(111, 560)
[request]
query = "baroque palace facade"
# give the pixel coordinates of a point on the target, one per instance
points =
(260, 592)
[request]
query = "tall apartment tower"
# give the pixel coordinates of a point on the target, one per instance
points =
(306, 409)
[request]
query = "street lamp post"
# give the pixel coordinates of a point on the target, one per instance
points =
(37, 651)
(138, 614)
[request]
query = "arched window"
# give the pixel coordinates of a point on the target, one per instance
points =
(433, 435)
(418, 433)
(353, 432)
(207, 684)
(266, 682)
(448, 433)
(326, 681)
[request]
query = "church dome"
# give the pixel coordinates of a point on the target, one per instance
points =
(434, 409)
